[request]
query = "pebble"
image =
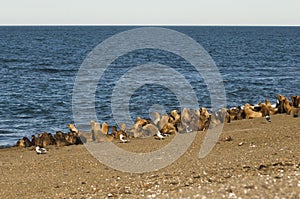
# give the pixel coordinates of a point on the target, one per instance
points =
(241, 143)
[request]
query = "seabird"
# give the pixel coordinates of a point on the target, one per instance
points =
(268, 118)
(40, 150)
(122, 138)
(159, 135)
(188, 129)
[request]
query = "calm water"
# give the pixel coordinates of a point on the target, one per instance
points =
(38, 67)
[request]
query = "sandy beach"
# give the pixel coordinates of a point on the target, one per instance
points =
(259, 160)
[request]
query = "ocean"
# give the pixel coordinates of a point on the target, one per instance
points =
(39, 65)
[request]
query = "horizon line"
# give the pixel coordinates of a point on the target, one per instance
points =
(269, 25)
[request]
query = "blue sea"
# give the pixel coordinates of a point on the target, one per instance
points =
(39, 64)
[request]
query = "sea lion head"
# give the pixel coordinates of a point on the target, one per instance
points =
(72, 128)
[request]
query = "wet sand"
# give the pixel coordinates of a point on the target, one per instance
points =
(261, 160)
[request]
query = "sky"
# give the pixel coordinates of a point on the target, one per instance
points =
(150, 12)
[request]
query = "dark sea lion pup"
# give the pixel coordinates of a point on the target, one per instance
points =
(27, 142)
(60, 139)
(24, 143)
(45, 139)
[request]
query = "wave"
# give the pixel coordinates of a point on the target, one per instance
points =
(53, 70)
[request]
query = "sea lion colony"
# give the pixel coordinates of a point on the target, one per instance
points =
(189, 120)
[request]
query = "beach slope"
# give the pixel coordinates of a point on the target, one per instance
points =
(252, 159)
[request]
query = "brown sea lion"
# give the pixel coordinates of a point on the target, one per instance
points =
(289, 109)
(250, 113)
(204, 112)
(264, 109)
(223, 115)
(272, 110)
(236, 113)
(174, 117)
(157, 117)
(100, 134)
(189, 121)
(204, 119)
(186, 117)
(119, 133)
(123, 127)
(73, 128)
(169, 128)
(164, 119)
(96, 131)
(136, 130)
(280, 104)
(104, 128)
(295, 101)
(114, 131)
(149, 130)
(141, 122)
(20, 143)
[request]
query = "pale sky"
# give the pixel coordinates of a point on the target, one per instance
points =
(168, 12)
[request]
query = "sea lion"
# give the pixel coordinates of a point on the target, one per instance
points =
(85, 136)
(272, 109)
(296, 101)
(104, 128)
(119, 133)
(185, 118)
(204, 119)
(250, 113)
(27, 142)
(73, 128)
(137, 129)
(123, 127)
(96, 131)
(157, 117)
(188, 121)
(163, 121)
(114, 131)
(44, 139)
(20, 143)
(233, 112)
(149, 130)
(289, 109)
(280, 104)
(169, 128)
(204, 123)
(141, 122)
(241, 114)
(174, 117)
(60, 139)
(72, 138)
(204, 112)
(33, 140)
(264, 109)
(223, 116)
(236, 113)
